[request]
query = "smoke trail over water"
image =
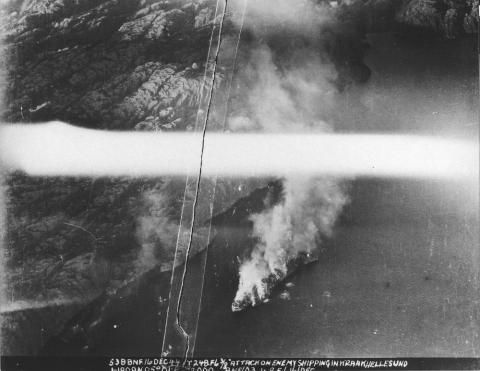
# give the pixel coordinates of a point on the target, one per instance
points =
(287, 231)
(289, 88)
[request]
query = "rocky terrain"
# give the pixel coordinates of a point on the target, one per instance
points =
(140, 65)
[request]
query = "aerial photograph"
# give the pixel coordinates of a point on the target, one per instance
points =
(239, 179)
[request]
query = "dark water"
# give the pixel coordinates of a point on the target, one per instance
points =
(391, 282)
(401, 275)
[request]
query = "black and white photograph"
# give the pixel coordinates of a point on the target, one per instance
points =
(239, 185)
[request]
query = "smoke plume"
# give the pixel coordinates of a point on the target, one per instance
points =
(156, 231)
(287, 231)
(288, 82)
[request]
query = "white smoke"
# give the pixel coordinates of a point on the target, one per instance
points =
(292, 100)
(159, 229)
(295, 96)
(156, 230)
(291, 229)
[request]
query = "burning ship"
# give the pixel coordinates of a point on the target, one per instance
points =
(262, 295)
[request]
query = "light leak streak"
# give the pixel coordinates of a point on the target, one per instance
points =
(59, 149)
(21, 305)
